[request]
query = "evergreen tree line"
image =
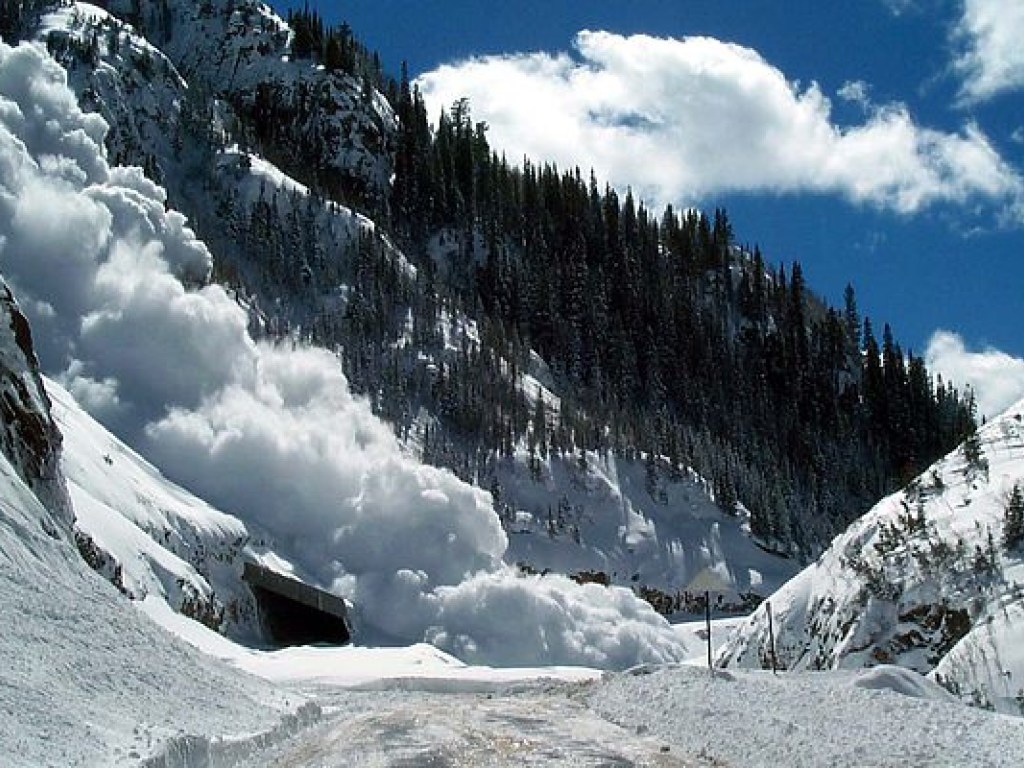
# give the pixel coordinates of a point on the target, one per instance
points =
(16, 16)
(335, 47)
(665, 337)
(669, 336)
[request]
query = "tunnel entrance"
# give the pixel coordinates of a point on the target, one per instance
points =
(294, 613)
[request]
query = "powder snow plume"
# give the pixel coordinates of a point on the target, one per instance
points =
(116, 288)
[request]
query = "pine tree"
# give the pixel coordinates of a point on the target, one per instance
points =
(1013, 520)
(973, 455)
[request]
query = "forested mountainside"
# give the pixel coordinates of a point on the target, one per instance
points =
(483, 305)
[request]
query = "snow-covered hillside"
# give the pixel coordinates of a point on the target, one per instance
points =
(633, 523)
(286, 467)
(655, 535)
(87, 679)
(925, 580)
(149, 537)
(270, 434)
(150, 68)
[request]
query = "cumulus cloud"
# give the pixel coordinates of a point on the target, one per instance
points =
(116, 289)
(992, 57)
(679, 120)
(996, 378)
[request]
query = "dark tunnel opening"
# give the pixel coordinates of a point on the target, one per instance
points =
(295, 613)
(292, 623)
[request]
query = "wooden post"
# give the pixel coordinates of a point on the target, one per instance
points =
(707, 622)
(771, 637)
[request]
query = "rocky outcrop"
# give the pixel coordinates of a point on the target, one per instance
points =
(29, 438)
(179, 76)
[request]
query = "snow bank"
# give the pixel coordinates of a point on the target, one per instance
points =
(86, 679)
(902, 681)
(269, 434)
(806, 719)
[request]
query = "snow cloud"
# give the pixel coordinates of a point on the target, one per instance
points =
(718, 118)
(117, 290)
(992, 57)
(996, 378)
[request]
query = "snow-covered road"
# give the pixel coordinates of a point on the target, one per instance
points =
(534, 726)
(653, 716)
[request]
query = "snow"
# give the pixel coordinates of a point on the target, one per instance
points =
(806, 718)
(921, 580)
(86, 679)
(531, 726)
(286, 467)
(270, 435)
(673, 547)
(420, 666)
(886, 677)
(418, 706)
(612, 517)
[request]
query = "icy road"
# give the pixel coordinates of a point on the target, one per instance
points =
(531, 726)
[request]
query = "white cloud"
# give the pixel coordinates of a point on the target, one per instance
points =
(856, 92)
(992, 34)
(679, 120)
(114, 286)
(996, 378)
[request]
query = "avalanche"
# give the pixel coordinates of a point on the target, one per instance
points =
(287, 467)
(271, 435)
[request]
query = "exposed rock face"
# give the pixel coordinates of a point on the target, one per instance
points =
(218, 62)
(28, 435)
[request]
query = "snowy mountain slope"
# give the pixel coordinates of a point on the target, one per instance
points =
(635, 524)
(170, 76)
(125, 78)
(923, 581)
(253, 200)
(86, 679)
(177, 130)
(240, 52)
(149, 536)
(275, 433)
(269, 433)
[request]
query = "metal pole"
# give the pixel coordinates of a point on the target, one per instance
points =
(771, 637)
(707, 622)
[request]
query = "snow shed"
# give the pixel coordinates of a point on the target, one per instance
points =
(294, 613)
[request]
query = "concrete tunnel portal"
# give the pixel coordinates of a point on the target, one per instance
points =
(294, 613)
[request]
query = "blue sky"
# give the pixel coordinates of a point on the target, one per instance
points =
(879, 142)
